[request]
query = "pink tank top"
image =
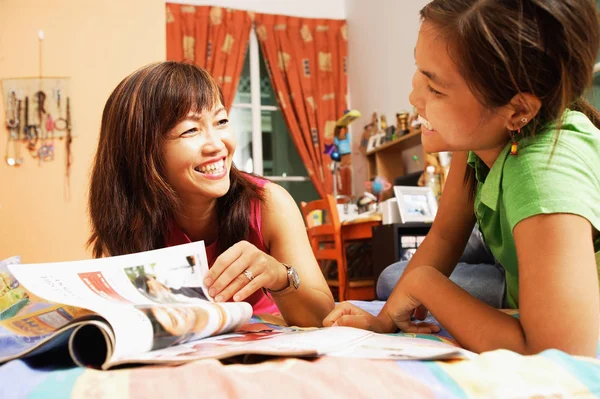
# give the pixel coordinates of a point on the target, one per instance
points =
(260, 302)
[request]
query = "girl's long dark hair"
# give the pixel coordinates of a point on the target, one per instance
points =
(130, 201)
(504, 47)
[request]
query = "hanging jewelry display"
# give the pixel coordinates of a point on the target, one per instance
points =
(38, 112)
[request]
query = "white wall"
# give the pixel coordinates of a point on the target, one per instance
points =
(333, 9)
(381, 38)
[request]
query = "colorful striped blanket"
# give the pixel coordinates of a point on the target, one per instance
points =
(500, 374)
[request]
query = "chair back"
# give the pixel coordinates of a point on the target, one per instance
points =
(324, 233)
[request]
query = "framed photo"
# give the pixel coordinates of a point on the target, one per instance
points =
(381, 139)
(416, 204)
(372, 143)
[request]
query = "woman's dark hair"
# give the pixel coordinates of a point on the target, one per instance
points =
(504, 47)
(130, 201)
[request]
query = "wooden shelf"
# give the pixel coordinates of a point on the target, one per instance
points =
(386, 160)
(405, 141)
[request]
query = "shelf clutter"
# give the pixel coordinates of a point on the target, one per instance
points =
(395, 153)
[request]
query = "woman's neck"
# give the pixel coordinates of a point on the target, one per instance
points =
(198, 220)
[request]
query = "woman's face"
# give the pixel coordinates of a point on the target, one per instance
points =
(198, 153)
(181, 320)
(155, 288)
(452, 118)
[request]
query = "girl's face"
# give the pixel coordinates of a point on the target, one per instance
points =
(452, 118)
(198, 153)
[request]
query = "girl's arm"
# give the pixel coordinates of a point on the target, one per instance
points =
(450, 231)
(284, 233)
(559, 299)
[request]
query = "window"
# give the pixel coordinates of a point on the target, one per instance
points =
(264, 145)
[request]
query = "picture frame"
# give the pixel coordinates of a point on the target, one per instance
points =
(372, 143)
(416, 204)
(381, 139)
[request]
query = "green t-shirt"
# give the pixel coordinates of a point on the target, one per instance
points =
(534, 182)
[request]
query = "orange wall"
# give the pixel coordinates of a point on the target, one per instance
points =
(96, 43)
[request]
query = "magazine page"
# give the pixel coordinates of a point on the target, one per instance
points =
(270, 340)
(402, 347)
(139, 294)
(27, 322)
(255, 338)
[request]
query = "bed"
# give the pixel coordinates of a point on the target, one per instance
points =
(501, 374)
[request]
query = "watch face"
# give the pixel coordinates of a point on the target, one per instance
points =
(294, 278)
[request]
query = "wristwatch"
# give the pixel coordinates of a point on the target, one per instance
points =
(293, 281)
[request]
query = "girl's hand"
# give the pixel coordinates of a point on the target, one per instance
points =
(402, 306)
(421, 313)
(243, 269)
(349, 315)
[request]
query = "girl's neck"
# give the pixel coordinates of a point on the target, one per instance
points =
(198, 220)
(489, 156)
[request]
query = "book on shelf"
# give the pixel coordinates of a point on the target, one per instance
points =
(153, 308)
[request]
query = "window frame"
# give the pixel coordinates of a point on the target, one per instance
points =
(256, 108)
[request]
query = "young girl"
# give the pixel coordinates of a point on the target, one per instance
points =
(163, 175)
(500, 83)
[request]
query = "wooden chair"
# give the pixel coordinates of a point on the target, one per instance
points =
(327, 244)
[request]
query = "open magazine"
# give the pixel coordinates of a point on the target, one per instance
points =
(152, 307)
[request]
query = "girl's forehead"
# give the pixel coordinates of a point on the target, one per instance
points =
(432, 55)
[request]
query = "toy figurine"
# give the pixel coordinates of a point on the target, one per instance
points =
(402, 123)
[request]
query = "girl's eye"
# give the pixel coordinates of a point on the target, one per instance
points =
(434, 91)
(223, 122)
(189, 132)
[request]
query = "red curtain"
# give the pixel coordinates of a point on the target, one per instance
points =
(214, 38)
(307, 61)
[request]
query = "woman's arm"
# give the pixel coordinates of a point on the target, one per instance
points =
(446, 241)
(284, 233)
(559, 298)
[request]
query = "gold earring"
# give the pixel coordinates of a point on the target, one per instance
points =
(514, 147)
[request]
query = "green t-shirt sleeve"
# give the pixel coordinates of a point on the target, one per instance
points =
(534, 182)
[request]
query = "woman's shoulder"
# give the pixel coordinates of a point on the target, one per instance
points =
(255, 179)
(276, 197)
(278, 205)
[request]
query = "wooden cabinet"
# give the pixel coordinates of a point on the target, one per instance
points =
(386, 160)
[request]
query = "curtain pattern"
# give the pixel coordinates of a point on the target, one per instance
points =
(307, 61)
(214, 38)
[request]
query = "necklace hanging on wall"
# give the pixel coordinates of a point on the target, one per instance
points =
(12, 154)
(36, 115)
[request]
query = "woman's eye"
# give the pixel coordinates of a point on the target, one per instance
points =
(223, 122)
(189, 132)
(434, 91)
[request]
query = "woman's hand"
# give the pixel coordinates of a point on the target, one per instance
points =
(349, 315)
(243, 269)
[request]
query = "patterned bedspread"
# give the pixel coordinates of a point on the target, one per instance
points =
(500, 374)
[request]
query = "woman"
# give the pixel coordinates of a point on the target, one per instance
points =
(163, 175)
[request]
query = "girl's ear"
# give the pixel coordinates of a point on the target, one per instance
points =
(523, 108)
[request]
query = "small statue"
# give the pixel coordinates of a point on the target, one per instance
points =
(384, 124)
(402, 123)
(375, 122)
